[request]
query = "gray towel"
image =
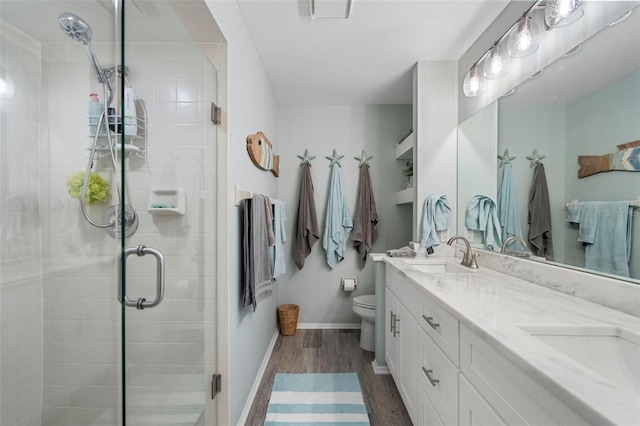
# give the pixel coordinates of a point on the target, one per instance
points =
(261, 238)
(256, 238)
(365, 230)
(306, 232)
(248, 290)
(540, 214)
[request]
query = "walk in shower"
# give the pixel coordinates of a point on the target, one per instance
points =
(107, 214)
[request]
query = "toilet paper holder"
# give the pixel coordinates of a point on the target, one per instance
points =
(349, 283)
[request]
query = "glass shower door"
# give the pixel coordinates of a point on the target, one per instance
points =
(168, 266)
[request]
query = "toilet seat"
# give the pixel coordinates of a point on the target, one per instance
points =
(368, 301)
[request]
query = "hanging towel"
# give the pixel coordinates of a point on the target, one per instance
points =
(588, 220)
(278, 263)
(608, 249)
(482, 215)
(338, 221)
(508, 209)
(573, 212)
(365, 230)
(540, 214)
(436, 216)
(255, 242)
(306, 231)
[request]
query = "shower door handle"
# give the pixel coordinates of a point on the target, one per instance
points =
(142, 303)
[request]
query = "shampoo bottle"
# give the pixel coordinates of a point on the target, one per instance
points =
(96, 108)
(130, 116)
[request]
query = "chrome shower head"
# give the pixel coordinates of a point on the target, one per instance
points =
(74, 27)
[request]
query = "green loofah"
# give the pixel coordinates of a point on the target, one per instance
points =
(97, 190)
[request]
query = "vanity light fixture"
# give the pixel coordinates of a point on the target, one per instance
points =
(523, 40)
(473, 84)
(559, 13)
(497, 64)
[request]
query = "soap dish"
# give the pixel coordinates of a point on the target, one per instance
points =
(166, 201)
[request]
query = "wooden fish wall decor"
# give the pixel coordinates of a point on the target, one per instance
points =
(626, 159)
(261, 153)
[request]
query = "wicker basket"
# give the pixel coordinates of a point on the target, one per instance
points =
(288, 319)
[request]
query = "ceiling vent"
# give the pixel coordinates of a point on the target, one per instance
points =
(330, 9)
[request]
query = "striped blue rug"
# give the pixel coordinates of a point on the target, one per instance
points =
(313, 399)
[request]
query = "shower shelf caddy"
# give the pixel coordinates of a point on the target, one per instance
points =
(136, 143)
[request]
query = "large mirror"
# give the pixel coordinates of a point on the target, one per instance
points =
(584, 104)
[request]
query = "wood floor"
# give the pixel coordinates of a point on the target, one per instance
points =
(331, 351)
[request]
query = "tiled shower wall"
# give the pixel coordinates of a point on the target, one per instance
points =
(20, 272)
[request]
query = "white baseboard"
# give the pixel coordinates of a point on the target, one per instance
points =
(256, 383)
(328, 326)
(379, 369)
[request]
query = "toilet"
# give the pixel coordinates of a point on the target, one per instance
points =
(365, 308)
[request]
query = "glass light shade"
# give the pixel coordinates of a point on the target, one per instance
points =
(473, 84)
(523, 40)
(496, 65)
(558, 13)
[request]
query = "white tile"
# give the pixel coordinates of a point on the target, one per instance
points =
(164, 91)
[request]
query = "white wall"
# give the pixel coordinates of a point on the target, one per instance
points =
(252, 107)
(349, 129)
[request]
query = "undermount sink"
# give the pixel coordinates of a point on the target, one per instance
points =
(611, 352)
(437, 266)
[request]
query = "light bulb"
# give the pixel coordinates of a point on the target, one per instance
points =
(523, 40)
(473, 83)
(497, 65)
(7, 87)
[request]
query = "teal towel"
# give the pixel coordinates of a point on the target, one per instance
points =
(338, 221)
(278, 261)
(573, 212)
(508, 209)
(588, 221)
(611, 247)
(482, 215)
(436, 216)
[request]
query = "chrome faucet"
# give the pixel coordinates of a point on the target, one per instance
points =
(469, 259)
(503, 249)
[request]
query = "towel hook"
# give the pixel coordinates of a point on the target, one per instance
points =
(335, 159)
(535, 159)
(363, 159)
(306, 158)
(505, 159)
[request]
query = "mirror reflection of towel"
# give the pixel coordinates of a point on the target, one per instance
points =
(540, 214)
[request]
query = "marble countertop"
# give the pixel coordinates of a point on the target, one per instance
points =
(493, 304)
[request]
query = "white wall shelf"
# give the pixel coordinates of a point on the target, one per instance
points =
(404, 148)
(405, 196)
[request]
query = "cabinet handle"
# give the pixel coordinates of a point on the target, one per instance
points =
(395, 326)
(433, 325)
(392, 322)
(431, 379)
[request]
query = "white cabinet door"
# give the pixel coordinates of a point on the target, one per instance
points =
(474, 410)
(426, 415)
(407, 332)
(401, 350)
(391, 343)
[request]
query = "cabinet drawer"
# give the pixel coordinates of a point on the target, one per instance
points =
(441, 326)
(443, 394)
(405, 291)
(515, 396)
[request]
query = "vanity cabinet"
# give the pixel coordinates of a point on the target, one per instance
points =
(449, 375)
